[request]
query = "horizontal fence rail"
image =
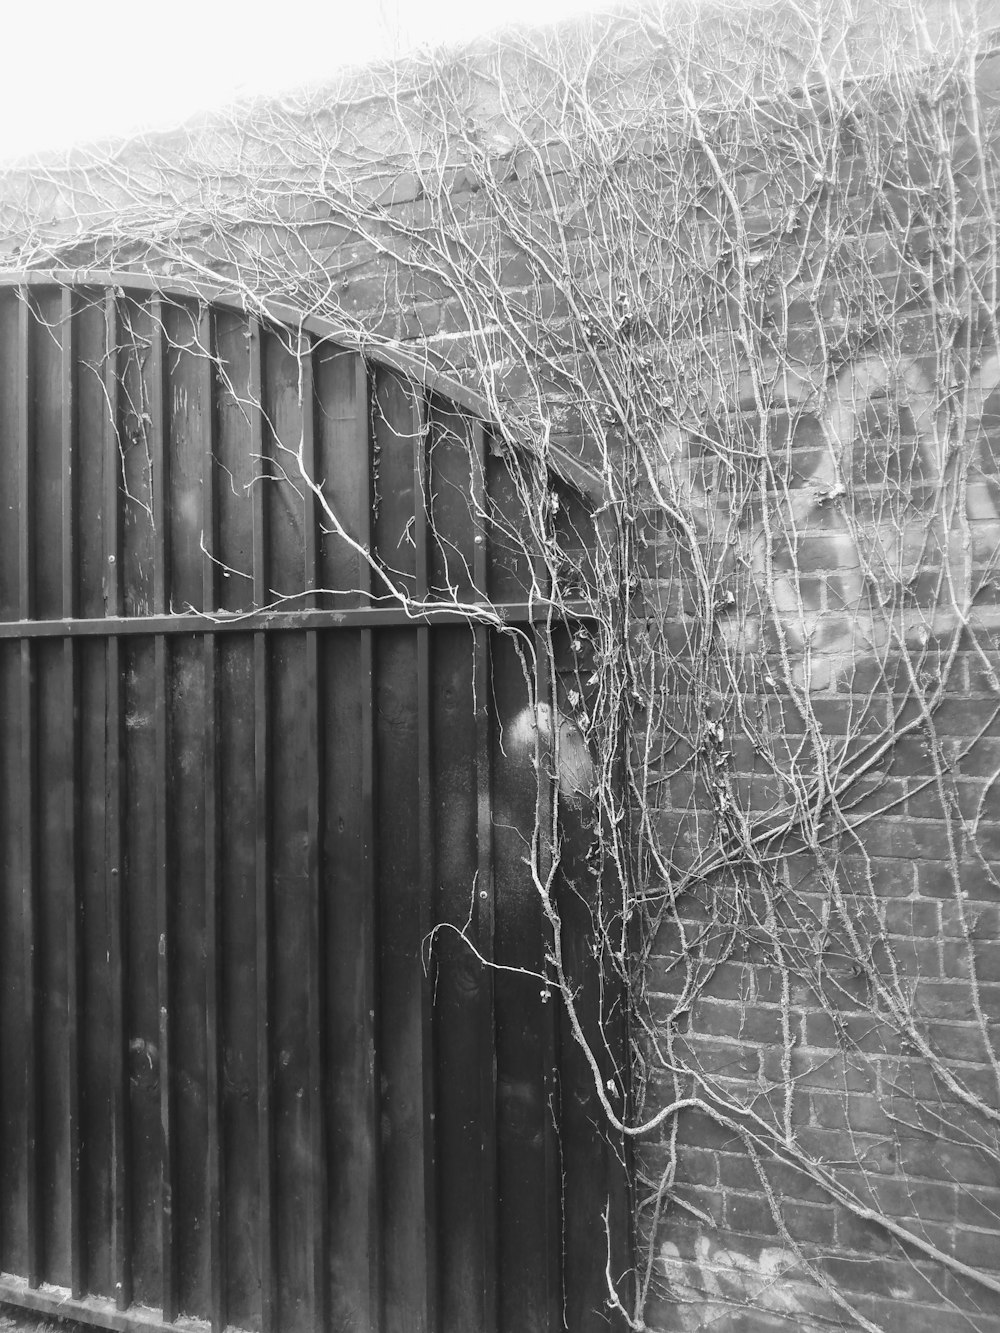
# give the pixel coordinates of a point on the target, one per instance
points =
(372, 617)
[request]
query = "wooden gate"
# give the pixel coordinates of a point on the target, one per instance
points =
(241, 783)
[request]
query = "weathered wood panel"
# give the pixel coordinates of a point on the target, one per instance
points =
(255, 1067)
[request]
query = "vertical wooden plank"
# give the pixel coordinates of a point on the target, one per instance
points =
(148, 1012)
(237, 511)
(90, 414)
(255, 389)
(421, 500)
(47, 465)
(95, 1066)
(307, 395)
(593, 1217)
(509, 567)
(287, 432)
(315, 768)
(237, 438)
(293, 760)
(351, 1094)
(164, 984)
(453, 511)
(237, 524)
(52, 870)
(159, 435)
(71, 822)
(142, 814)
(10, 448)
(545, 837)
(89, 539)
(13, 1125)
(525, 1238)
(112, 460)
(138, 532)
(372, 933)
(118, 933)
(350, 949)
(69, 551)
(342, 467)
(404, 872)
(237, 877)
(255, 409)
(51, 941)
(484, 941)
(29, 786)
(13, 902)
(159, 463)
(363, 445)
(394, 480)
(293, 791)
(29, 858)
(426, 854)
(213, 896)
(293, 754)
(236, 467)
(185, 384)
(25, 494)
(262, 815)
(462, 1046)
(181, 410)
(485, 907)
(186, 736)
(262, 812)
(121, 1216)
(400, 875)
(206, 343)
(213, 1033)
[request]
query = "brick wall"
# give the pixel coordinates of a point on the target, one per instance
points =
(832, 1006)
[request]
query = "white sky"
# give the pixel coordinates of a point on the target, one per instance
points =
(75, 70)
